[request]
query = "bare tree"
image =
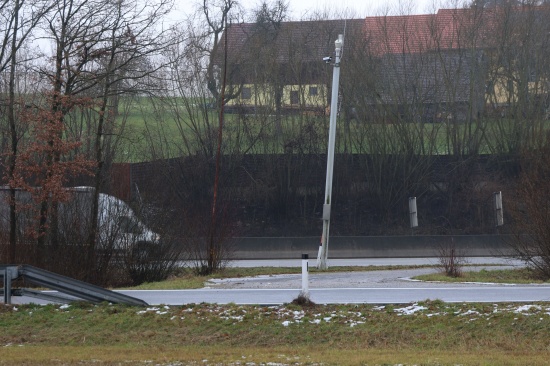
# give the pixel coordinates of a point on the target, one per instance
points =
(190, 104)
(18, 25)
(518, 88)
(530, 212)
(217, 15)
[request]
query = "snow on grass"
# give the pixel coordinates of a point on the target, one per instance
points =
(347, 315)
(155, 310)
(528, 309)
(410, 310)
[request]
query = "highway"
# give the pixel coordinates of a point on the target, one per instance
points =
(472, 293)
(372, 287)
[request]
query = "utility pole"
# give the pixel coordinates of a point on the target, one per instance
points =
(323, 248)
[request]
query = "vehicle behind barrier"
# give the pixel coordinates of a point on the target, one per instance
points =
(118, 227)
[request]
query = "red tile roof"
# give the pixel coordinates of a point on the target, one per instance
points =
(302, 41)
(398, 34)
(446, 30)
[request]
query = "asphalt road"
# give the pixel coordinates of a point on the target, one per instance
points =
(373, 287)
(487, 293)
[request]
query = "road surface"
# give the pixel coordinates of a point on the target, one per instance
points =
(372, 287)
(491, 294)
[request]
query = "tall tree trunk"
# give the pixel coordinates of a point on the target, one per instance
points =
(14, 141)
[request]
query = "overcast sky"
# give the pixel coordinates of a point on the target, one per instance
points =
(300, 9)
(360, 7)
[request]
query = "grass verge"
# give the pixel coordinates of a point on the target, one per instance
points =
(428, 333)
(518, 276)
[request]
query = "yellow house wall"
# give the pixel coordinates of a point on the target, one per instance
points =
(540, 87)
(500, 95)
(260, 95)
(263, 95)
(305, 99)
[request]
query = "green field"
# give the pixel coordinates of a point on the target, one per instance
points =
(176, 127)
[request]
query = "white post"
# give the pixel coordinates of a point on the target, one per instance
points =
(305, 276)
(413, 214)
(499, 216)
(323, 248)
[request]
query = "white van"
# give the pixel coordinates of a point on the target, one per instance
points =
(118, 225)
(119, 228)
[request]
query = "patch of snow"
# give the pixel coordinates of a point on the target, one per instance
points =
(527, 308)
(409, 310)
(470, 312)
(434, 314)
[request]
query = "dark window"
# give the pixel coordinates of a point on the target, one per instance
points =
(246, 93)
(313, 90)
(294, 97)
(510, 88)
(490, 89)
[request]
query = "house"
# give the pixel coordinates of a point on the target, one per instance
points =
(429, 87)
(279, 67)
(454, 64)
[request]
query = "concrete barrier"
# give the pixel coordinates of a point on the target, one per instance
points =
(372, 246)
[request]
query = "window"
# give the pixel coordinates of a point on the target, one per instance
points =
(490, 87)
(294, 97)
(313, 91)
(246, 93)
(510, 87)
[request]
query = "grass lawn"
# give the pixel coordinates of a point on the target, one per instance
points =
(519, 276)
(425, 333)
(173, 127)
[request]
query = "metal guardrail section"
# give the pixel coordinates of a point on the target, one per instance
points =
(79, 290)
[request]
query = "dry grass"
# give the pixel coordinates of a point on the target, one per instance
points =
(204, 355)
(429, 333)
(518, 276)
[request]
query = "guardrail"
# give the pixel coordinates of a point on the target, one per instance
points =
(75, 289)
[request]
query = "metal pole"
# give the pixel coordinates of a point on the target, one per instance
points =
(323, 248)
